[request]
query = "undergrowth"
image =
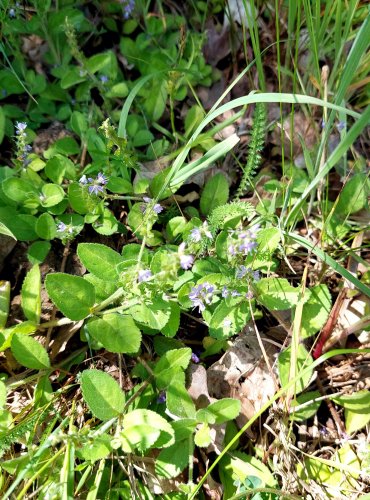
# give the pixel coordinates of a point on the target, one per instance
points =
(177, 269)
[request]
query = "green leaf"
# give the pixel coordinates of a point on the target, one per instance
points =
(2, 395)
(80, 200)
(6, 231)
(31, 294)
(73, 295)
(99, 260)
(119, 185)
(52, 194)
(7, 334)
(59, 167)
(38, 251)
(303, 360)
(203, 437)
(315, 311)
(219, 412)
(46, 227)
(4, 302)
(19, 190)
(276, 293)
(117, 333)
(228, 320)
(178, 400)
(171, 327)
(78, 123)
(173, 460)
(268, 239)
(29, 353)
(155, 315)
(353, 196)
(193, 119)
(356, 420)
(155, 101)
(2, 124)
(143, 429)
(97, 449)
(103, 395)
(170, 364)
(215, 193)
(357, 401)
(308, 411)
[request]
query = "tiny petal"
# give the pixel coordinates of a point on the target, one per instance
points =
(194, 358)
(147, 199)
(195, 235)
(104, 78)
(249, 295)
(61, 227)
(144, 275)
(227, 323)
(101, 179)
(186, 261)
(225, 292)
(157, 208)
(161, 398)
(83, 180)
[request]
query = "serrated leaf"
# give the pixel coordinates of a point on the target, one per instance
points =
(171, 367)
(29, 353)
(117, 333)
(277, 293)
(178, 400)
(31, 294)
(173, 460)
(315, 311)
(73, 295)
(144, 429)
(99, 260)
(215, 193)
(97, 449)
(6, 335)
(203, 437)
(103, 395)
(268, 239)
(220, 411)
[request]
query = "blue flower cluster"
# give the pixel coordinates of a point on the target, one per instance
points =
(95, 186)
(156, 207)
(242, 242)
(128, 7)
(201, 294)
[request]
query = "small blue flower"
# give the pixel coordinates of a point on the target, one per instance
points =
(195, 235)
(11, 12)
(95, 189)
(241, 272)
(102, 179)
(227, 323)
(249, 295)
(157, 208)
(20, 128)
(235, 293)
(194, 358)
(144, 275)
(225, 292)
(104, 78)
(186, 261)
(4, 92)
(161, 398)
(61, 227)
(128, 7)
(201, 294)
(341, 126)
(83, 180)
